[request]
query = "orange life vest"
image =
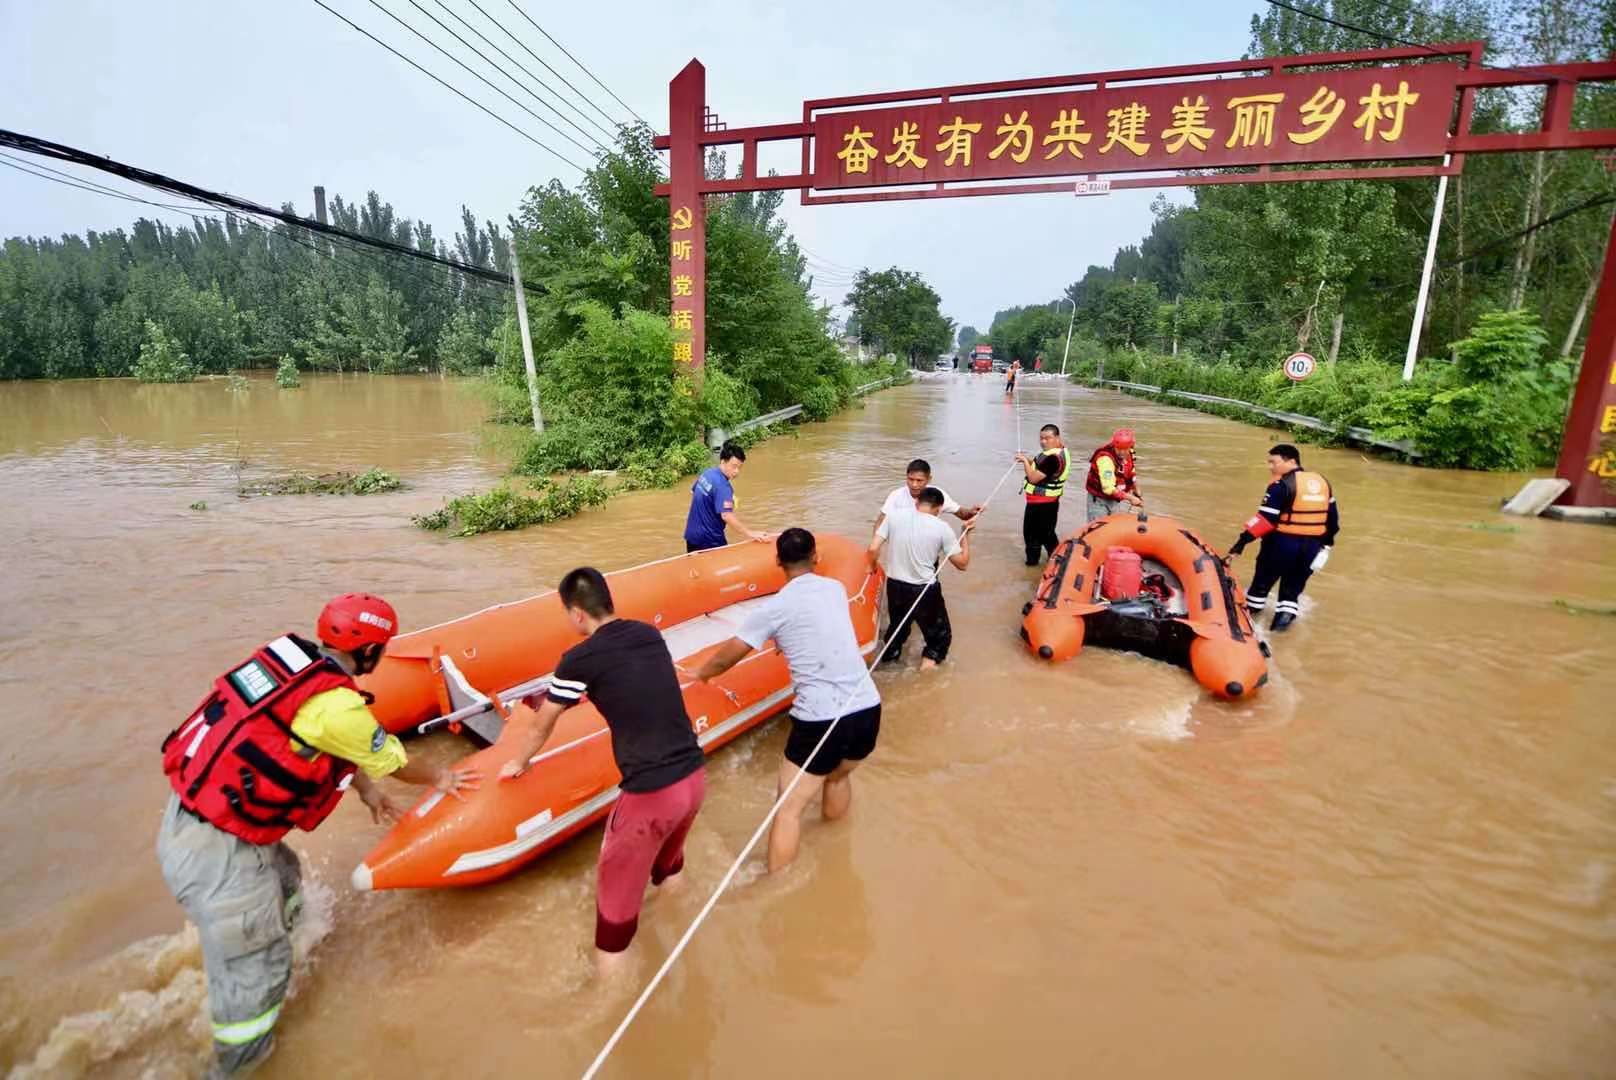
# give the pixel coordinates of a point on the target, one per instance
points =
(1310, 506)
(235, 762)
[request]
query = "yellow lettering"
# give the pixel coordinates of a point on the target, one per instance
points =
(1125, 126)
(1253, 119)
(956, 139)
(1064, 133)
(1189, 126)
(682, 285)
(1378, 107)
(682, 219)
(1607, 423)
(1016, 132)
(1319, 114)
(682, 351)
(905, 142)
(682, 250)
(856, 151)
(683, 319)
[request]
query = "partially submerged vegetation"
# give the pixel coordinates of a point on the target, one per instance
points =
(503, 509)
(369, 482)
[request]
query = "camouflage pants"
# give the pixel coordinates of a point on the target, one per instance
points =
(243, 898)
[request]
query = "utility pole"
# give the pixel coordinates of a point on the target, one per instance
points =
(1069, 323)
(1425, 275)
(1335, 336)
(527, 344)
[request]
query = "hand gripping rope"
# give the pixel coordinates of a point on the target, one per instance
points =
(729, 875)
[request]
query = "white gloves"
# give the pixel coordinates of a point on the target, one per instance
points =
(1320, 559)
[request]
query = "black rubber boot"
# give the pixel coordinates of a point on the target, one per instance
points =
(1282, 622)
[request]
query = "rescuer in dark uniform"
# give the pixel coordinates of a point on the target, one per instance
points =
(1297, 522)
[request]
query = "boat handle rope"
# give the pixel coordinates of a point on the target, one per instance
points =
(768, 819)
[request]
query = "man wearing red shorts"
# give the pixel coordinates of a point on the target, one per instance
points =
(625, 668)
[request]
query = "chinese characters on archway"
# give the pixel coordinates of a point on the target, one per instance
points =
(1363, 114)
(683, 317)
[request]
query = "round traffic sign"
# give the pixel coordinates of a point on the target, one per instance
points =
(1299, 366)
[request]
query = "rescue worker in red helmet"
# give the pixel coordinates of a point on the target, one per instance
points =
(1111, 484)
(272, 747)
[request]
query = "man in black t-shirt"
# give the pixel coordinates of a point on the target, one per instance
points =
(625, 668)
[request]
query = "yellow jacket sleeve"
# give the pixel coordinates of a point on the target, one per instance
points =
(339, 723)
(1108, 474)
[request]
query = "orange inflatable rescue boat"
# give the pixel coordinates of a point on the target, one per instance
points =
(462, 674)
(1149, 585)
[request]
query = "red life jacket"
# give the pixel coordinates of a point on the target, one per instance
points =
(1124, 470)
(234, 764)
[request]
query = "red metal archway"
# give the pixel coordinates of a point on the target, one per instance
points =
(1218, 123)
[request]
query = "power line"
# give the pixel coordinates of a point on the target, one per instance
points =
(457, 92)
(468, 69)
(90, 186)
(545, 64)
(1433, 50)
(44, 148)
(484, 38)
(580, 64)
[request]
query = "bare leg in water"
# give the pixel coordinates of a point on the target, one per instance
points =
(786, 832)
(839, 791)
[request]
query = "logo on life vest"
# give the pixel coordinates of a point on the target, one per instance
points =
(378, 739)
(376, 620)
(1314, 486)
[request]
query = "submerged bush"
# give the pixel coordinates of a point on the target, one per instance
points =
(503, 509)
(286, 376)
(161, 358)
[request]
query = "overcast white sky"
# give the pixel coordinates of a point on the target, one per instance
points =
(265, 100)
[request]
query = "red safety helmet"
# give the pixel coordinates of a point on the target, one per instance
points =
(1122, 438)
(354, 620)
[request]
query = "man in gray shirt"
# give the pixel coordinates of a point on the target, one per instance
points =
(809, 623)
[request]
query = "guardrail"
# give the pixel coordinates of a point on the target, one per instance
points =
(876, 385)
(1362, 436)
(717, 436)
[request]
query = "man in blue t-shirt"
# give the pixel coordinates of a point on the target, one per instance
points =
(712, 503)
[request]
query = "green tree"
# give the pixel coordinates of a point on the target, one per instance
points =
(899, 313)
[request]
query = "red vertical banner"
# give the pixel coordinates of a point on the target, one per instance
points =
(687, 219)
(1588, 447)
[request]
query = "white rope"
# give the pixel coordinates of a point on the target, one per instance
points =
(768, 819)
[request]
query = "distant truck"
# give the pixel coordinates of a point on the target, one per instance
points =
(982, 358)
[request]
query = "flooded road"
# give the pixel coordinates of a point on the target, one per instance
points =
(1400, 860)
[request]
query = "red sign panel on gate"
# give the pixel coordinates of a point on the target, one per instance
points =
(1341, 115)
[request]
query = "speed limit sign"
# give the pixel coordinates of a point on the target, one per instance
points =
(1299, 366)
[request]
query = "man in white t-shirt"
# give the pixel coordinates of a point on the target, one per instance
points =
(917, 478)
(809, 623)
(916, 544)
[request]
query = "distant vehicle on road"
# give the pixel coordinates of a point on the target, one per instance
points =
(1001, 365)
(982, 358)
(944, 363)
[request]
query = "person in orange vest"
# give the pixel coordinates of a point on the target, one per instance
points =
(1046, 481)
(1111, 485)
(1010, 376)
(1297, 522)
(272, 747)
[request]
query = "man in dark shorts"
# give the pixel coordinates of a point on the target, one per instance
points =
(809, 623)
(625, 668)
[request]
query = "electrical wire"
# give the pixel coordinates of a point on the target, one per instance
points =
(565, 81)
(468, 68)
(580, 64)
(44, 148)
(452, 89)
(484, 38)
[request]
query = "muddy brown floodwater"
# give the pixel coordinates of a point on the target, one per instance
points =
(1400, 860)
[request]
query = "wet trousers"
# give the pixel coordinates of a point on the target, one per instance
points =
(931, 615)
(243, 898)
(1038, 530)
(1287, 560)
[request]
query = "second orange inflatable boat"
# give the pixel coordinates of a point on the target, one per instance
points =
(1189, 610)
(461, 674)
